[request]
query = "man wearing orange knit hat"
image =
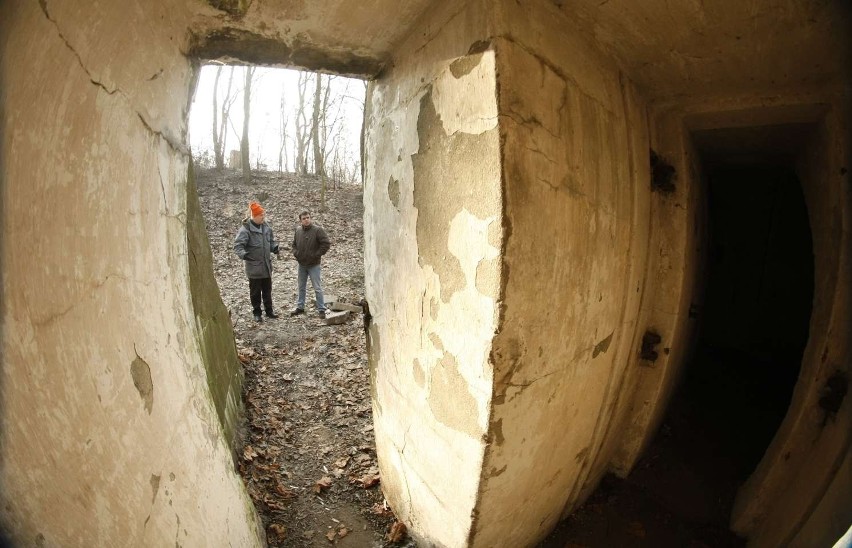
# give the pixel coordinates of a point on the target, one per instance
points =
(254, 244)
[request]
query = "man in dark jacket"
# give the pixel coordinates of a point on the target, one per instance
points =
(310, 243)
(253, 244)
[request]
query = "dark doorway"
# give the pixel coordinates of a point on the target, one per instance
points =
(752, 328)
(757, 308)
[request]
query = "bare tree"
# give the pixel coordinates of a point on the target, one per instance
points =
(244, 144)
(283, 120)
(302, 133)
(220, 117)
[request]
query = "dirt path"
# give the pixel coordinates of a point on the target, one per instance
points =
(308, 457)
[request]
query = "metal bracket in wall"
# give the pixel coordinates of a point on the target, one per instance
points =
(662, 175)
(650, 340)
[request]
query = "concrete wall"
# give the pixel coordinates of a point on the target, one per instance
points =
(515, 255)
(575, 160)
(109, 432)
(432, 241)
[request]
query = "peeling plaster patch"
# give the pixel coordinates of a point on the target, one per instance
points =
(464, 65)
(447, 182)
(419, 374)
(497, 432)
(464, 95)
(433, 308)
(602, 346)
(155, 487)
(141, 374)
(479, 46)
(232, 7)
(450, 399)
(436, 341)
(495, 472)
(393, 192)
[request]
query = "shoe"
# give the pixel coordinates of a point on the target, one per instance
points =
(258, 318)
(272, 315)
(322, 314)
(297, 311)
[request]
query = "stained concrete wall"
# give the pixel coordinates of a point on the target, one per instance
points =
(577, 193)
(109, 432)
(432, 241)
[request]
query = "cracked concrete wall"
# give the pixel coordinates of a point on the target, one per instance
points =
(432, 243)
(575, 158)
(109, 433)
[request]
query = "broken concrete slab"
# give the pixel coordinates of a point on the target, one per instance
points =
(338, 307)
(336, 318)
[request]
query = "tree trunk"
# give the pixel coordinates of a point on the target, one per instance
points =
(302, 127)
(220, 118)
(282, 126)
(218, 155)
(244, 144)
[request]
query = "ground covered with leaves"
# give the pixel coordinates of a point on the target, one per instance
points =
(308, 452)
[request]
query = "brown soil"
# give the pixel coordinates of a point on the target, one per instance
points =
(308, 453)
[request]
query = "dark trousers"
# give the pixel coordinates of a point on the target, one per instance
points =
(261, 287)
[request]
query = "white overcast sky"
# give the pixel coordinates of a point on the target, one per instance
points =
(264, 134)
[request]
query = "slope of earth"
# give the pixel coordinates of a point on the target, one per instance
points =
(308, 453)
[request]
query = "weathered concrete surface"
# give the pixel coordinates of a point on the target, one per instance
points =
(216, 335)
(110, 434)
(515, 255)
(575, 157)
(432, 238)
(349, 37)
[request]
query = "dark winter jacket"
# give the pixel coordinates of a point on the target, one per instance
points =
(310, 244)
(253, 245)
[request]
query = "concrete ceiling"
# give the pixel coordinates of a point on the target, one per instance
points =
(668, 48)
(686, 47)
(349, 37)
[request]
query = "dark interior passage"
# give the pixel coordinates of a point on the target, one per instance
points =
(757, 307)
(735, 391)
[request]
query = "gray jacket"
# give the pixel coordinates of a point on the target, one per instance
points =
(253, 245)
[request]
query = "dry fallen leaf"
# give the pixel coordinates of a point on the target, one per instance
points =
(249, 453)
(380, 509)
(278, 531)
(323, 483)
(368, 480)
(284, 492)
(331, 535)
(341, 462)
(342, 532)
(397, 532)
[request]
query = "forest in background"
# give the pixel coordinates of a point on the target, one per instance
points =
(257, 118)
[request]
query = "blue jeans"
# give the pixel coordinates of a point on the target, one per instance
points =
(314, 273)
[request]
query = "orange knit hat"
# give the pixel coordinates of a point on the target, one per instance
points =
(256, 209)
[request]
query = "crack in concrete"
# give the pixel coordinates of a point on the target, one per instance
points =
(175, 145)
(555, 69)
(531, 121)
(523, 386)
(69, 308)
(404, 476)
(43, 4)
